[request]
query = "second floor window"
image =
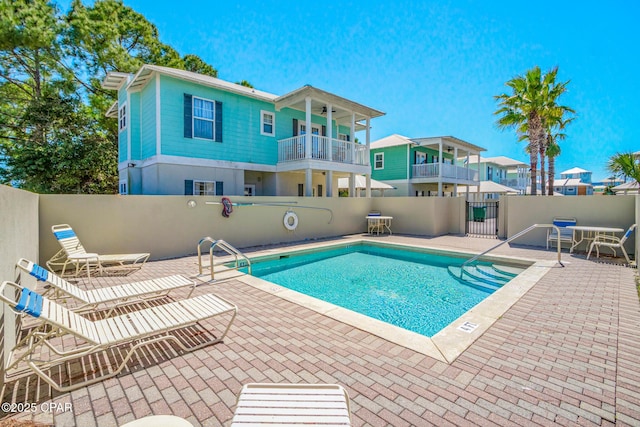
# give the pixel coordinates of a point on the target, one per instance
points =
(203, 118)
(267, 123)
(204, 188)
(122, 117)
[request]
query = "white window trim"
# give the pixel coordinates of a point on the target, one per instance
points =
(120, 184)
(253, 188)
(273, 123)
(193, 119)
(122, 117)
(342, 137)
(375, 161)
(201, 181)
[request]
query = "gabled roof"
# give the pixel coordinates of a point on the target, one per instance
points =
(574, 170)
(144, 74)
(570, 182)
(488, 187)
(448, 142)
(391, 141)
(498, 160)
(320, 98)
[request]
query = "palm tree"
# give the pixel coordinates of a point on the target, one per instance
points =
(531, 103)
(556, 124)
(626, 165)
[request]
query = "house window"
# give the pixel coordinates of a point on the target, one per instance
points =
(203, 118)
(421, 158)
(378, 161)
(122, 117)
(300, 190)
(123, 187)
(249, 190)
(267, 123)
(343, 137)
(319, 190)
(204, 188)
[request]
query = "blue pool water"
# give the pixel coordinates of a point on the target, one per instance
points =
(412, 290)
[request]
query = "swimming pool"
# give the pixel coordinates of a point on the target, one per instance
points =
(407, 288)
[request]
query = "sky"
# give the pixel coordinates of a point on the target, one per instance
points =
(433, 67)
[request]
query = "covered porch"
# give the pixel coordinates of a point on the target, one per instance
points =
(325, 140)
(443, 171)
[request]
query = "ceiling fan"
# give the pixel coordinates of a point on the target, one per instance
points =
(324, 110)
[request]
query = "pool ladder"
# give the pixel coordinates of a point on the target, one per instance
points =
(241, 259)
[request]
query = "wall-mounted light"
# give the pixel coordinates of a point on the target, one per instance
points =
(131, 165)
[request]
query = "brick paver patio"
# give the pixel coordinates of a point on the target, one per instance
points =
(567, 353)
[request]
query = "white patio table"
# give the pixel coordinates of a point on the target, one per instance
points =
(377, 223)
(588, 233)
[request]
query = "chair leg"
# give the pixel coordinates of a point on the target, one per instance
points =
(590, 249)
(626, 256)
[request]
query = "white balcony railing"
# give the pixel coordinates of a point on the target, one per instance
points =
(321, 148)
(432, 170)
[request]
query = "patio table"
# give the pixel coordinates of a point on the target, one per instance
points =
(377, 223)
(588, 234)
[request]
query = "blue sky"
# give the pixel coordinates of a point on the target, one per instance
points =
(433, 67)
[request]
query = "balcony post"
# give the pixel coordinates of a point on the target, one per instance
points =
(353, 138)
(440, 194)
(328, 155)
(455, 184)
(366, 156)
(307, 132)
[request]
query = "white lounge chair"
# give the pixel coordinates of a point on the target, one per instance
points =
(114, 295)
(74, 254)
(612, 242)
(566, 234)
(144, 327)
(292, 404)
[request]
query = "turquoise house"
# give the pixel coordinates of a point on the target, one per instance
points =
(184, 133)
(423, 166)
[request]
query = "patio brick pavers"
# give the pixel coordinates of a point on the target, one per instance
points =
(566, 354)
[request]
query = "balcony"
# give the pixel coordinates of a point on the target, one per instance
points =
(449, 172)
(321, 148)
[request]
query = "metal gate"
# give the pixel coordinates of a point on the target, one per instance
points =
(482, 218)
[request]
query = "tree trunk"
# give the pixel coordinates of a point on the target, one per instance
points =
(542, 175)
(552, 171)
(533, 163)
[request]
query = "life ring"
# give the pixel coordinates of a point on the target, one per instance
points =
(290, 221)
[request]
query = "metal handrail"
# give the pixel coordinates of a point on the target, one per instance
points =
(515, 236)
(225, 247)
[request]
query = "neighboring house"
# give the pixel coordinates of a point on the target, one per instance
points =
(186, 133)
(574, 182)
(422, 166)
(501, 170)
(601, 186)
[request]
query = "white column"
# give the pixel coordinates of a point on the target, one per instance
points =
(455, 161)
(478, 181)
(329, 184)
(468, 176)
(307, 139)
(329, 147)
(308, 182)
(353, 137)
(352, 185)
(367, 155)
(440, 168)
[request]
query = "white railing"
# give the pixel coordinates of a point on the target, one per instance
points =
(432, 170)
(321, 148)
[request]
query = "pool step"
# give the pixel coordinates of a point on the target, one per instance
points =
(471, 277)
(485, 276)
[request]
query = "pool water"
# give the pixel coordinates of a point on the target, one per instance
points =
(412, 290)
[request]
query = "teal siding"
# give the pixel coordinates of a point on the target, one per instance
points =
(134, 122)
(147, 105)
(395, 163)
(242, 141)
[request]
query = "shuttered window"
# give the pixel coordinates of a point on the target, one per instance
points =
(202, 118)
